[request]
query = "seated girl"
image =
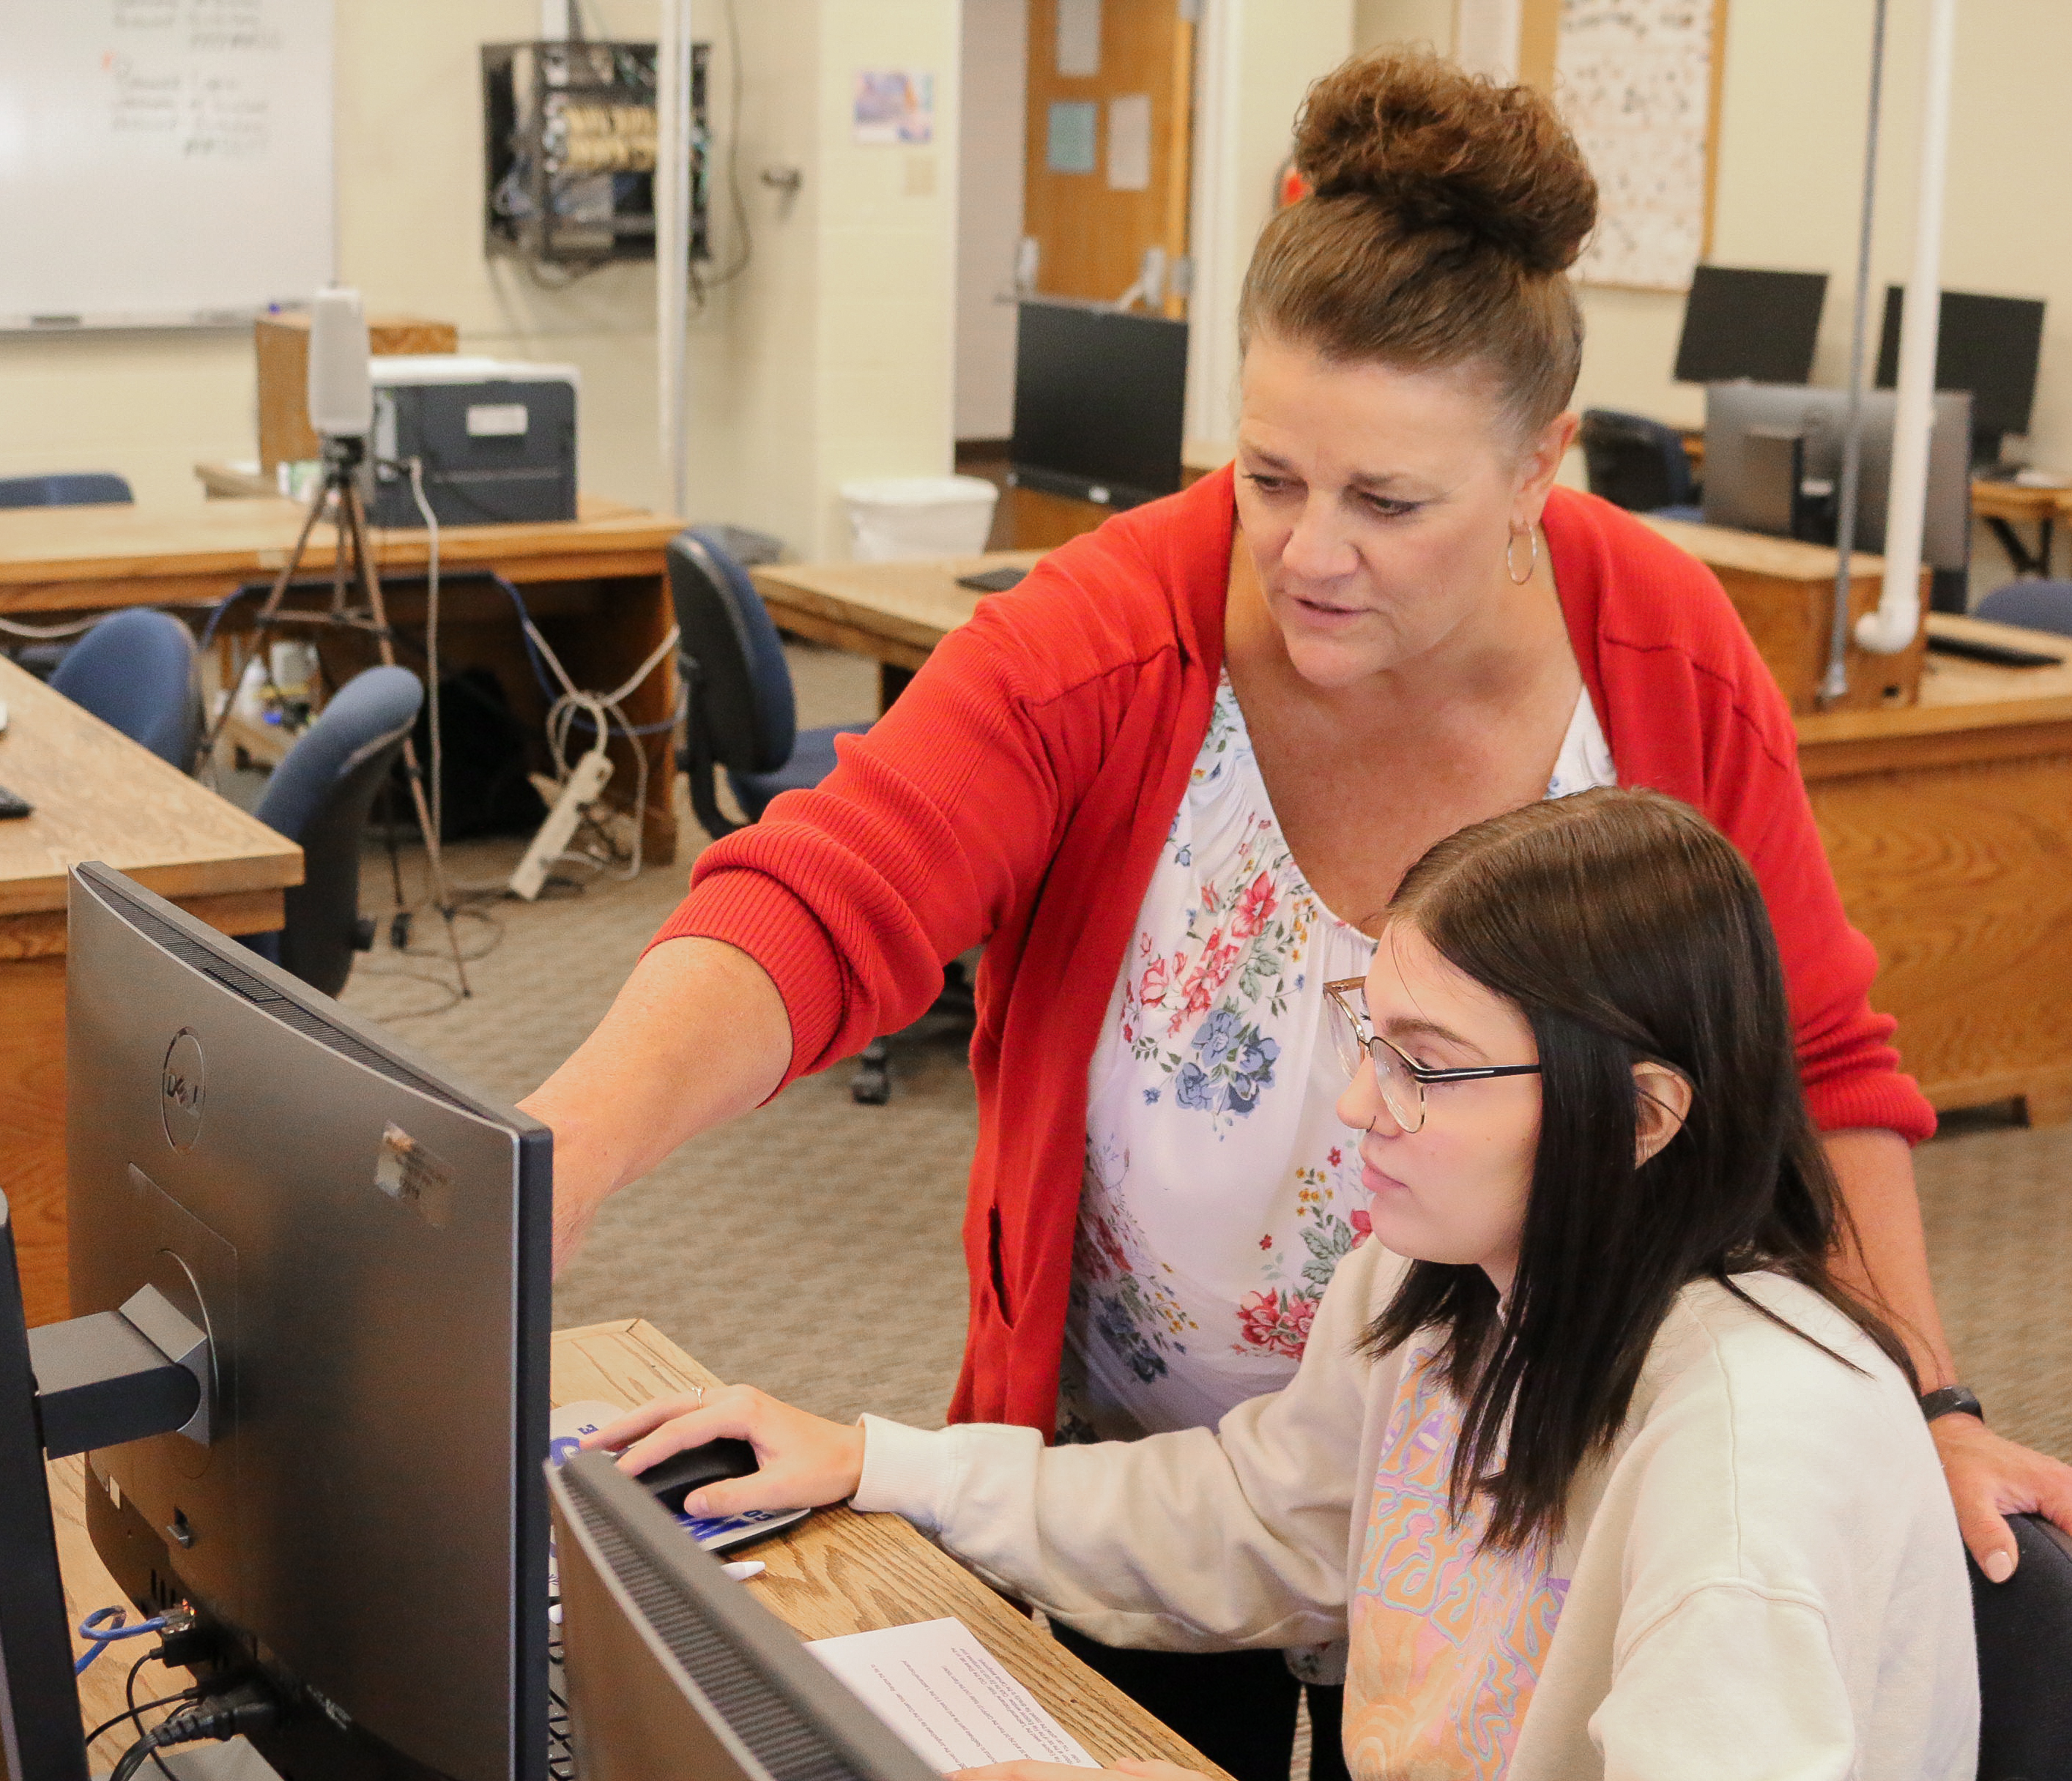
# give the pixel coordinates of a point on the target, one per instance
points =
(1589, 1456)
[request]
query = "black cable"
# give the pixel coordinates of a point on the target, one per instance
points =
(194, 1725)
(701, 286)
(130, 1695)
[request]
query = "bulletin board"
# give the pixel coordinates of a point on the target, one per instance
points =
(1638, 82)
(162, 161)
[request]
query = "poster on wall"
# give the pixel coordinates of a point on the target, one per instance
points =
(894, 105)
(1635, 81)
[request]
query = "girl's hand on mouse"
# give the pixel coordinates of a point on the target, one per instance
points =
(803, 1460)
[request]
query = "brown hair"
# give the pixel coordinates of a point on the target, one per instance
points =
(1624, 927)
(1444, 212)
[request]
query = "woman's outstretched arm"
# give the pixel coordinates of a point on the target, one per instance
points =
(697, 1035)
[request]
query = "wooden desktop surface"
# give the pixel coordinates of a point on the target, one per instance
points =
(75, 559)
(894, 612)
(837, 1572)
(98, 796)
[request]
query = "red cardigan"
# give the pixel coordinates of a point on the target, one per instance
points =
(1017, 795)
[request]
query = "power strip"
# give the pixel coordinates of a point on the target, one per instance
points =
(589, 779)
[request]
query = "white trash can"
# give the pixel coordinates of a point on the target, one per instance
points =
(893, 518)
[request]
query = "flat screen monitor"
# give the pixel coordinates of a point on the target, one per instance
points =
(674, 1672)
(1988, 346)
(365, 1240)
(39, 1726)
(1100, 402)
(1745, 423)
(1742, 323)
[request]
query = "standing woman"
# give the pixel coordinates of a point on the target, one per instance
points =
(1169, 780)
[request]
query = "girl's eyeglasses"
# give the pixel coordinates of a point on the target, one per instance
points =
(1402, 1083)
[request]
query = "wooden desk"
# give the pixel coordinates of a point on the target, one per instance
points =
(98, 796)
(1784, 591)
(1948, 826)
(892, 612)
(595, 584)
(837, 1572)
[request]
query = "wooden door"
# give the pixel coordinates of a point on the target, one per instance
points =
(1106, 162)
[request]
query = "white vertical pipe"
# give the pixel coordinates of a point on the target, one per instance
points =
(672, 245)
(1891, 627)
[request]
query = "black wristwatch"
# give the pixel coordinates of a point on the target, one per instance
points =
(1951, 1400)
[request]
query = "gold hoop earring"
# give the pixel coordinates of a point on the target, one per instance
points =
(1510, 568)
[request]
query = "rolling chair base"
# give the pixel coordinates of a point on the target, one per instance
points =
(871, 1086)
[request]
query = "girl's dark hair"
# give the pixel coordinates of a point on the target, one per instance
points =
(1444, 211)
(1625, 927)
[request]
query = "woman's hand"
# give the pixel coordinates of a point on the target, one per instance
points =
(1060, 1771)
(1990, 1478)
(804, 1460)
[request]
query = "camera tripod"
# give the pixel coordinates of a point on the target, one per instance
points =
(352, 568)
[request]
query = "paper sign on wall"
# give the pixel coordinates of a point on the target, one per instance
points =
(1129, 142)
(894, 105)
(1071, 146)
(1078, 37)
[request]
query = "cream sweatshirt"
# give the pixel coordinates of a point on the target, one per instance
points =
(1764, 1576)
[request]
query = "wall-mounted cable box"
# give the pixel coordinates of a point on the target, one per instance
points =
(569, 132)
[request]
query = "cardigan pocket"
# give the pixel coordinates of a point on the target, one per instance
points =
(993, 1263)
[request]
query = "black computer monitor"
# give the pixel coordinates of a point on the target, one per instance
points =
(676, 1673)
(1100, 403)
(1756, 432)
(1742, 323)
(1987, 345)
(365, 1240)
(39, 1728)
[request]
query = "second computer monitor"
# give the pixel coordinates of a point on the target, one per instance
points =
(1988, 346)
(1743, 322)
(1100, 402)
(1746, 488)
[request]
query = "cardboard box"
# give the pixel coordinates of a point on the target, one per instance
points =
(282, 344)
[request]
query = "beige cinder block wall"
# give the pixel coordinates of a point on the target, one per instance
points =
(828, 357)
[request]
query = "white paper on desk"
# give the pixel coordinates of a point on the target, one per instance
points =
(947, 1697)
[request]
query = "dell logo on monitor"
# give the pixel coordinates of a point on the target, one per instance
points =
(181, 1084)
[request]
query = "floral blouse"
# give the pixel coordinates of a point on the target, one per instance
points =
(1220, 1190)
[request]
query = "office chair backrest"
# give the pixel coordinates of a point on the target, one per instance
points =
(1635, 462)
(2025, 1629)
(80, 489)
(2040, 606)
(319, 798)
(740, 711)
(136, 670)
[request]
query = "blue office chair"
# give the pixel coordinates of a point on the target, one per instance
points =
(739, 715)
(77, 489)
(136, 670)
(2024, 1633)
(1638, 464)
(318, 798)
(2039, 606)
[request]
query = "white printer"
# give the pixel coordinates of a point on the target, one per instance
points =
(496, 438)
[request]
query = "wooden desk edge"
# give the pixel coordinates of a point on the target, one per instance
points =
(817, 1570)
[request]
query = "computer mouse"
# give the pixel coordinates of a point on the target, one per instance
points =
(669, 1481)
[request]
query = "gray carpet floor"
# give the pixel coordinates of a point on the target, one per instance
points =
(813, 1247)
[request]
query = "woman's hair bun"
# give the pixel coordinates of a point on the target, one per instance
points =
(1445, 149)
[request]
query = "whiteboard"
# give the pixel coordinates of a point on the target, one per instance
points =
(162, 161)
(1635, 81)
